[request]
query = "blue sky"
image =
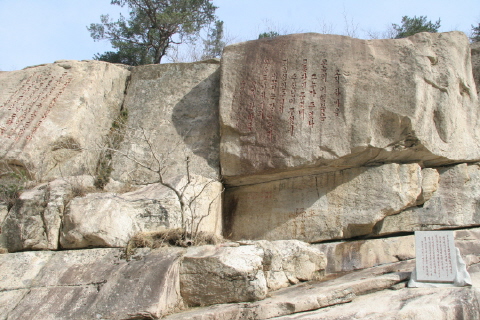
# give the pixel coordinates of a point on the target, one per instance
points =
(42, 31)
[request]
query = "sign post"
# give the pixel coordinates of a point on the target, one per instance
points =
(438, 261)
(436, 256)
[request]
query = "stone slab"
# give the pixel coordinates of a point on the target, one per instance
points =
(90, 284)
(54, 116)
(18, 270)
(326, 206)
(454, 204)
(211, 275)
(246, 271)
(172, 123)
(435, 256)
(425, 303)
(55, 303)
(307, 296)
(142, 289)
(354, 255)
(9, 300)
(299, 103)
(35, 220)
(75, 268)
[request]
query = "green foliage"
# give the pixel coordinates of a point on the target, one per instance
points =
(269, 34)
(151, 27)
(411, 26)
(11, 185)
(475, 33)
(130, 57)
(214, 44)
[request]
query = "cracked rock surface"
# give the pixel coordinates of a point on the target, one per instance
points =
(88, 284)
(298, 104)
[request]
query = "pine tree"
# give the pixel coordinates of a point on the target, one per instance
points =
(152, 27)
(411, 26)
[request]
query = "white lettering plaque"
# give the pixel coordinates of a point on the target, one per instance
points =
(436, 256)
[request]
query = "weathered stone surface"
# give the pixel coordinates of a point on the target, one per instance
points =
(52, 117)
(18, 270)
(334, 205)
(74, 268)
(211, 275)
(90, 284)
(9, 300)
(287, 262)
(362, 254)
(424, 303)
(453, 204)
(35, 220)
(476, 63)
(172, 122)
(364, 289)
(55, 303)
(110, 220)
(430, 178)
(307, 296)
(295, 104)
(147, 288)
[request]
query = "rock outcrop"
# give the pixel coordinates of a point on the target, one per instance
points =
(454, 204)
(303, 103)
(111, 220)
(315, 156)
(89, 284)
(246, 272)
(336, 205)
(172, 124)
(378, 277)
(101, 284)
(35, 221)
(53, 117)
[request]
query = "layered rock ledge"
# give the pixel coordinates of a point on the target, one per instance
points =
(305, 103)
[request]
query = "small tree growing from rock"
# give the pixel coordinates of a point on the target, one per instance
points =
(188, 189)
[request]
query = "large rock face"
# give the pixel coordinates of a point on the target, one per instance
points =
(110, 219)
(454, 204)
(54, 116)
(424, 303)
(295, 104)
(233, 273)
(326, 206)
(89, 284)
(382, 280)
(172, 123)
(323, 137)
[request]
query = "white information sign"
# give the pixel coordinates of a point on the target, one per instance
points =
(436, 256)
